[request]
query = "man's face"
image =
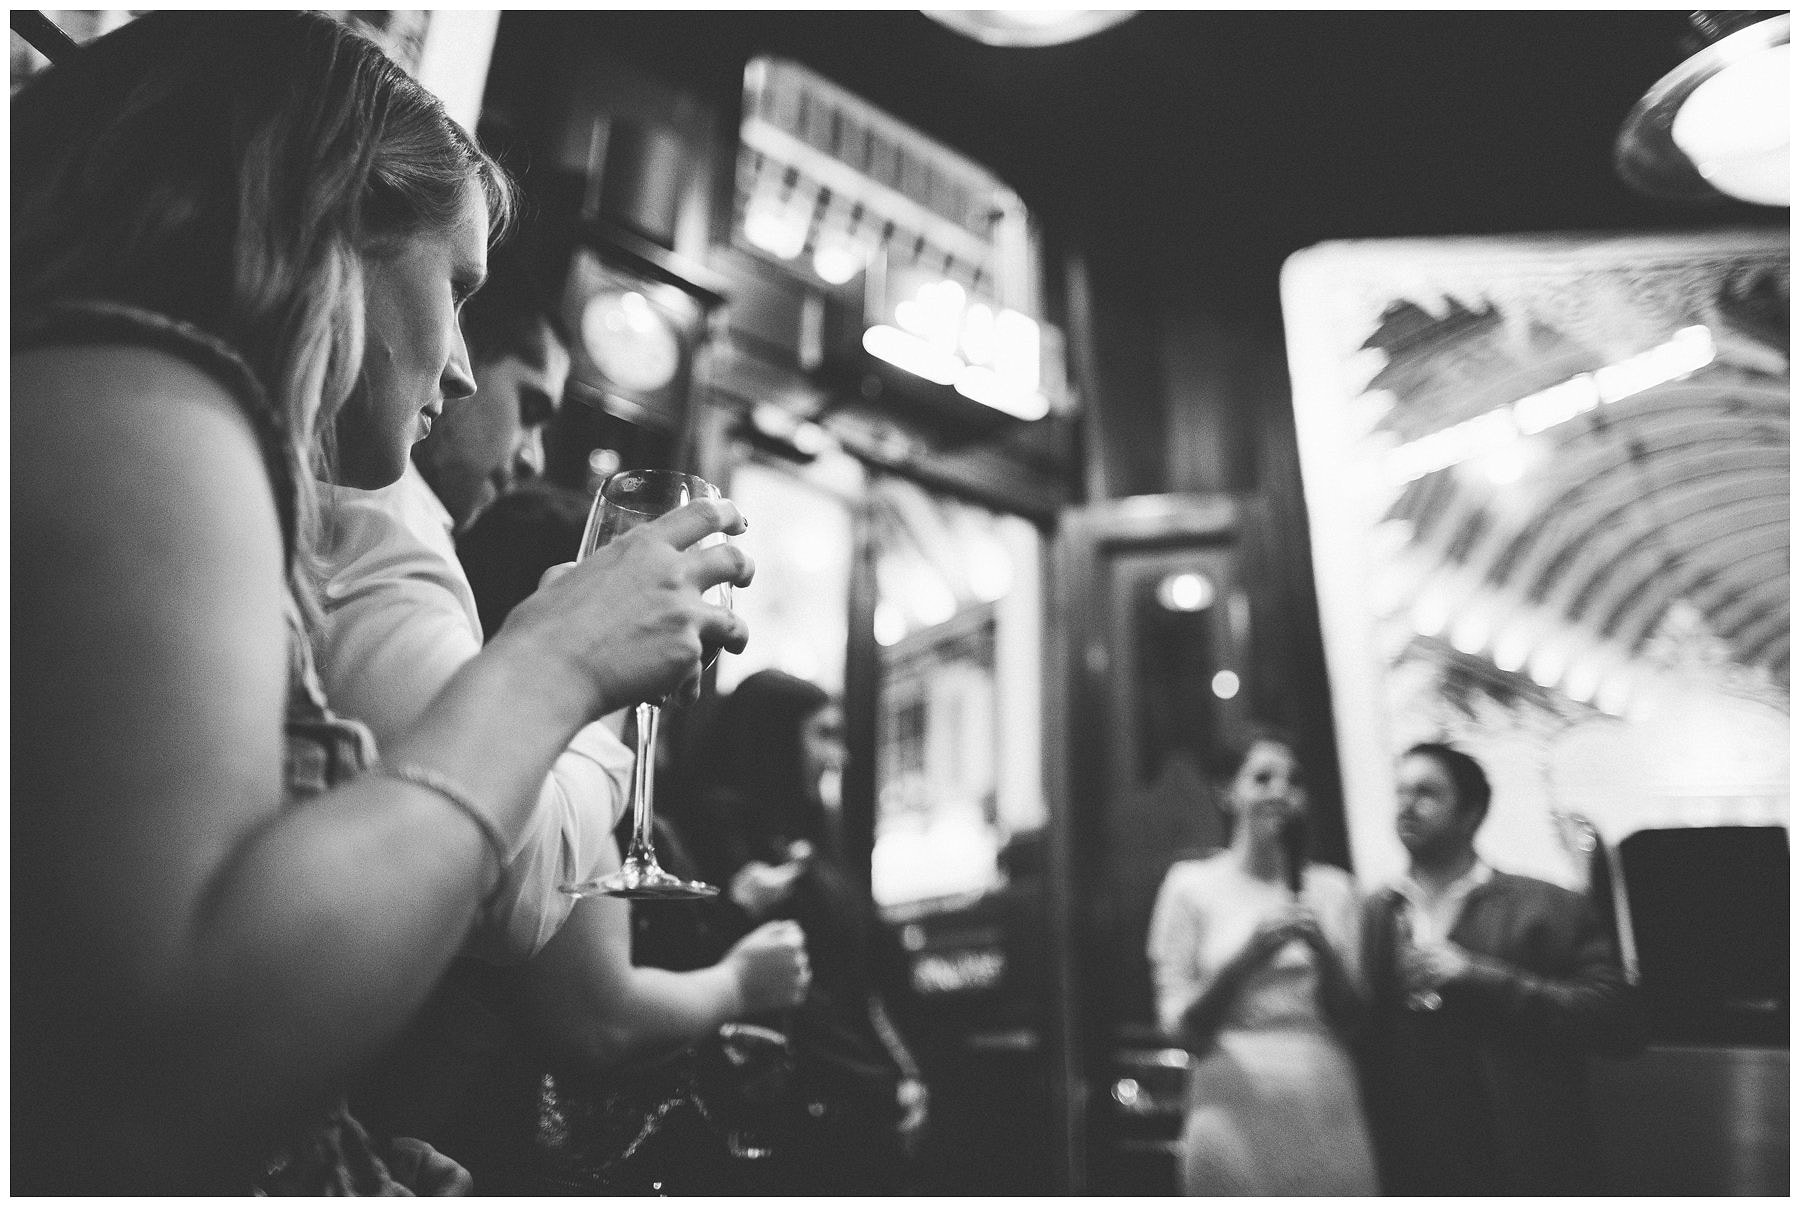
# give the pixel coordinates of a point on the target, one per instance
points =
(488, 444)
(1429, 820)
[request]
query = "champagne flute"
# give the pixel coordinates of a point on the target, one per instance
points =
(625, 500)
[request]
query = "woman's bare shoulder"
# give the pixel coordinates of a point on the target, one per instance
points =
(1199, 871)
(120, 449)
(58, 384)
(87, 415)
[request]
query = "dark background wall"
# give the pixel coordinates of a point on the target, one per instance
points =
(1184, 155)
(1173, 163)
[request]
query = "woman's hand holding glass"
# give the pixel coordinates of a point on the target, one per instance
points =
(1292, 921)
(630, 622)
(662, 502)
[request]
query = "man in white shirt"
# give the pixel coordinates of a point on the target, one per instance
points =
(400, 620)
(1488, 992)
(400, 617)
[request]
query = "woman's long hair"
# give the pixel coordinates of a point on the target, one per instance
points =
(231, 169)
(751, 747)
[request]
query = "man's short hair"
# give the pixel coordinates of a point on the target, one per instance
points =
(507, 315)
(1473, 792)
(512, 541)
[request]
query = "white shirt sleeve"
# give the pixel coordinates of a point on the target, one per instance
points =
(400, 621)
(1173, 946)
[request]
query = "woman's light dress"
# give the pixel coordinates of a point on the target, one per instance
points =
(1273, 1108)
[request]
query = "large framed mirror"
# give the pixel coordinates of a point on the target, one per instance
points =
(1548, 487)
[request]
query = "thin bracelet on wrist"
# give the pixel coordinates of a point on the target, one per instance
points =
(456, 796)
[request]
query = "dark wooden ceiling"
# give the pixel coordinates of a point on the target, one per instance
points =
(1184, 142)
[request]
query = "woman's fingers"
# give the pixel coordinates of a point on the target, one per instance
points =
(633, 618)
(721, 563)
(724, 628)
(701, 518)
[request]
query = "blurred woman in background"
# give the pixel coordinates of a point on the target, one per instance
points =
(1253, 950)
(232, 232)
(755, 805)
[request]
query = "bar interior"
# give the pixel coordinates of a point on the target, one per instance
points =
(1103, 388)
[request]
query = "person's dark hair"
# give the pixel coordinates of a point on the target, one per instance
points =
(1473, 792)
(513, 540)
(1234, 753)
(232, 169)
(506, 317)
(751, 746)
(1257, 733)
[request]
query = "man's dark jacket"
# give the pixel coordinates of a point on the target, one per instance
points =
(1488, 1094)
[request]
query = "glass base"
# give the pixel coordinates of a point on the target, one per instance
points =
(642, 881)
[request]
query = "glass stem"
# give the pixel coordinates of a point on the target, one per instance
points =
(642, 784)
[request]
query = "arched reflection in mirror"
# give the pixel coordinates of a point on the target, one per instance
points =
(1548, 482)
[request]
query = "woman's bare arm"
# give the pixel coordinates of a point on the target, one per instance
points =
(583, 995)
(220, 961)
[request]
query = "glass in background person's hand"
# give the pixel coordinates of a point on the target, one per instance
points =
(1420, 997)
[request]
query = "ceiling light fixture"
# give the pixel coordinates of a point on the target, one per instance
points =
(1028, 26)
(1716, 127)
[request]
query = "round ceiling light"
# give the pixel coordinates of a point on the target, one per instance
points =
(1734, 128)
(1028, 26)
(1717, 126)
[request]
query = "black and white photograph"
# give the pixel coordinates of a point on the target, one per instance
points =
(772, 603)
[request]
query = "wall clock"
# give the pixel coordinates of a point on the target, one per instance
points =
(631, 341)
(634, 339)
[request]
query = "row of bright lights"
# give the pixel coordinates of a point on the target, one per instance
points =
(989, 356)
(1690, 349)
(780, 228)
(977, 383)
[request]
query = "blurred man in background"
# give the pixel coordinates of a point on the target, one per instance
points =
(1489, 991)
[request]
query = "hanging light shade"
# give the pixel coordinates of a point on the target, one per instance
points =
(1716, 127)
(1028, 26)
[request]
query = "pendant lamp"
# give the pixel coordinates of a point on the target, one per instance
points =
(1028, 26)
(1716, 128)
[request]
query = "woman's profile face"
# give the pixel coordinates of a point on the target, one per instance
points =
(414, 358)
(1269, 790)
